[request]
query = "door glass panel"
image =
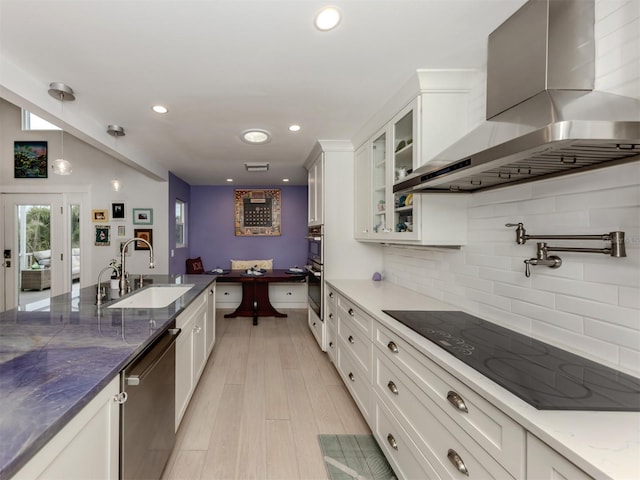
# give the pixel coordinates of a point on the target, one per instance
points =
(34, 256)
(379, 158)
(74, 210)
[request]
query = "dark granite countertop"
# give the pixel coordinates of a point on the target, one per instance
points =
(54, 361)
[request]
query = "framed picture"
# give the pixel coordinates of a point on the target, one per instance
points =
(30, 159)
(117, 211)
(103, 235)
(145, 234)
(99, 215)
(257, 212)
(143, 216)
(121, 231)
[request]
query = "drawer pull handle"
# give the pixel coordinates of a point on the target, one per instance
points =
(351, 312)
(392, 442)
(352, 377)
(351, 340)
(392, 387)
(457, 462)
(392, 346)
(457, 401)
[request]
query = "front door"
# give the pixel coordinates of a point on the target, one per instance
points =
(34, 252)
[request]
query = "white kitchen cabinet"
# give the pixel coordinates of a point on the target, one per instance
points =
(387, 157)
(228, 295)
(87, 447)
(315, 178)
(544, 463)
(331, 321)
(288, 294)
(210, 326)
(191, 352)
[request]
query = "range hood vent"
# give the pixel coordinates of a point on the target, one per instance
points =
(543, 117)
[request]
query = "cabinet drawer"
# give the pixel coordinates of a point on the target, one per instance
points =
(317, 328)
(228, 293)
(498, 434)
(332, 347)
(354, 340)
(348, 310)
(405, 458)
(332, 317)
(285, 293)
(332, 297)
(435, 434)
(356, 380)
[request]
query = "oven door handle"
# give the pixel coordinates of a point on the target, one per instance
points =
(315, 239)
(313, 272)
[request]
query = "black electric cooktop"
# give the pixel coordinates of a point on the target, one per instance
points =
(545, 376)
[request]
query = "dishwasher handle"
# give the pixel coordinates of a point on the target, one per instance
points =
(137, 374)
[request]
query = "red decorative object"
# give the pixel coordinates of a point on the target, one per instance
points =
(194, 265)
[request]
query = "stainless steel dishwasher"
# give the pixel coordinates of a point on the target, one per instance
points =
(147, 417)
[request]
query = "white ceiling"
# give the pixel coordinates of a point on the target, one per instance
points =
(222, 66)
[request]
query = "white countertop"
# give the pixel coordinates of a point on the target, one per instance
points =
(603, 444)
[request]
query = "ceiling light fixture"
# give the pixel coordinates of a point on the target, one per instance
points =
(116, 131)
(64, 93)
(229, 179)
(295, 128)
(327, 19)
(255, 136)
(159, 109)
(285, 179)
(256, 167)
(116, 184)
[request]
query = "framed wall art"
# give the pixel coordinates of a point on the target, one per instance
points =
(145, 234)
(143, 216)
(103, 235)
(117, 211)
(99, 215)
(257, 212)
(30, 159)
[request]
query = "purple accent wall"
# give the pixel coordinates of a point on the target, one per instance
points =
(211, 233)
(178, 189)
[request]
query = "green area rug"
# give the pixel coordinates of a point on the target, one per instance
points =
(354, 456)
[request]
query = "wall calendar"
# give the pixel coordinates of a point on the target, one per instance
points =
(257, 212)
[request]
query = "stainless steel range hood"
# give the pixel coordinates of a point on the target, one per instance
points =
(543, 119)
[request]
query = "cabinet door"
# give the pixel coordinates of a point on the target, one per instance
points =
(199, 343)
(379, 212)
(184, 369)
(315, 182)
(362, 194)
(87, 447)
(210, 326)
(543, 462)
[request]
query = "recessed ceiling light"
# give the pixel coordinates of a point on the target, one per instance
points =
(327, 19)
(160, 109)
(229, 179)
(295, 128)
(255, 136)
(285, 179)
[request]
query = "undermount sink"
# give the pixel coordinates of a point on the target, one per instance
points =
(157, 296)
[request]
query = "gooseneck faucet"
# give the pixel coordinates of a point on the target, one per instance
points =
(123, 276)
(100, 293)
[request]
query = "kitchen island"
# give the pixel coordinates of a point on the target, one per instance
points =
(54, 361)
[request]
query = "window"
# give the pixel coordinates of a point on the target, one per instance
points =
(181, 223)
(30, 121)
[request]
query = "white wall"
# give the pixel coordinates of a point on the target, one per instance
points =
(93, 171)
(591, 304)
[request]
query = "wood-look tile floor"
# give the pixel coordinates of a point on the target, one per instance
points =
(266, 393)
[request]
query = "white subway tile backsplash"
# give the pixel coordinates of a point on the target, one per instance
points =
(593, 291)
(622, 218)
(530, 295)
(502, 303)
(505, 318)
(624, 197)
(558, 318)
(624, 272)
(624, 337)
(504, 276)
(629, 297)
(612, 314)
(629, 360)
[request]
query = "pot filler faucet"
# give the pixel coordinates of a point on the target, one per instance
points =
(123, 276)
(617, 248)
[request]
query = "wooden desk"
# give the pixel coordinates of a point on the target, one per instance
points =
(255, 292)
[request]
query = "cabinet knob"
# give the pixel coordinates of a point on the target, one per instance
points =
(120, 398)
(352, 377)
(330, 344)
(226, 293)
(314, 324)
(211, 291)
(457, 462)
(457, 401)
(351, 312)
(392, 441)
(392, 387)
(331, 316)
(330, 294)
(351, 340)
(392, 346)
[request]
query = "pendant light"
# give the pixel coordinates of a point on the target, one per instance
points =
(64, 93)
(116, 131)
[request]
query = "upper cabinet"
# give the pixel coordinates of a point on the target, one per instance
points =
(315, 180)
(414, 134)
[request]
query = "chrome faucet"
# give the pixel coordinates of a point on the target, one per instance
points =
(123, 276)
(542, 258)
(100, 293)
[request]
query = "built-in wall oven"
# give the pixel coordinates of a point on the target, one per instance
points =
(315, 270)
